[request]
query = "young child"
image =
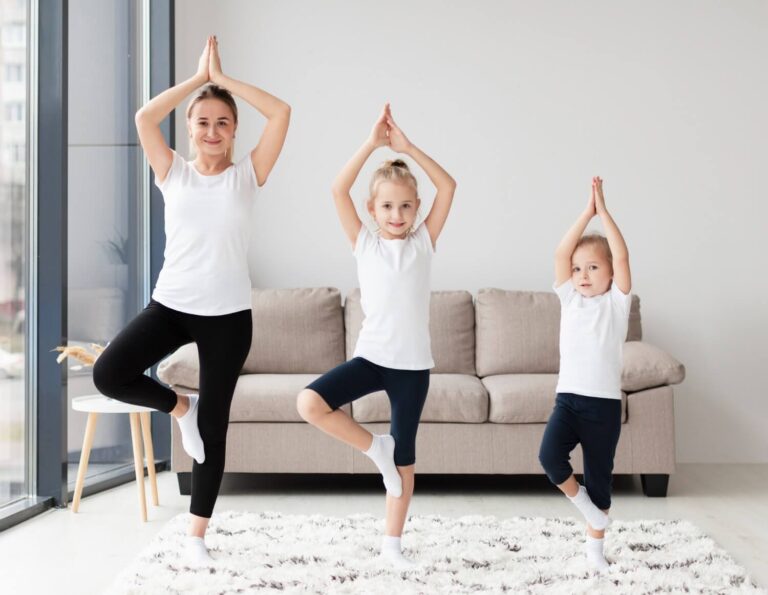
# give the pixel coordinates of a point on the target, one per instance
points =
(393, 350)
(593, 282)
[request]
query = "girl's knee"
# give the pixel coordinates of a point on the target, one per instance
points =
(310, 405)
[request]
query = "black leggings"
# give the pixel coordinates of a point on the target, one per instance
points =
(222, 343)
(406, 389)
(596, 424)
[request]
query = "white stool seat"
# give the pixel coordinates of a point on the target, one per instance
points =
(139, 418)
(102, 404)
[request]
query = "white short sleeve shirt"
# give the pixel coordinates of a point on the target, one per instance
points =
(394, 280)
(207, 230)
(592, 335)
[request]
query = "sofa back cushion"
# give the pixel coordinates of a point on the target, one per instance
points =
(518, 332)
(451, 329)
(296, 331)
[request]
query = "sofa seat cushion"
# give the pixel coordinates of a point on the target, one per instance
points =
(269, 397)
(456, 398)
(526, 398)
(646, 366)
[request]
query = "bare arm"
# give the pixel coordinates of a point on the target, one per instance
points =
(149, 117)
(621, 273)
(445, 184)
(277, 112)
(567, 245)
(342, 185)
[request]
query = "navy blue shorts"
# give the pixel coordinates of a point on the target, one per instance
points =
(406, 389)
(593, 422)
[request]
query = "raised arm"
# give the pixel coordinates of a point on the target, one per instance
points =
(149, 117)
(567, 245)
(445, 184)
(621, 273)
(342, 185)
(277, 112)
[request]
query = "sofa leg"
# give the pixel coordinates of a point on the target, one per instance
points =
(185, 483)
(654, 484)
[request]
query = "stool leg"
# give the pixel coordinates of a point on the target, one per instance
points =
(90, 432)
(138, 463)
(146, 432)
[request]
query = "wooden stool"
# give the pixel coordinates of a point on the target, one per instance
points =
(140, 426)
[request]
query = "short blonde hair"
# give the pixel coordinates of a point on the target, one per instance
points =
(599, 241)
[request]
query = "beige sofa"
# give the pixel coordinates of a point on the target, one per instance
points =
(490, 395)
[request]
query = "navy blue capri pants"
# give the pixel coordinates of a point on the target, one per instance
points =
(406, 389)
(596, 424)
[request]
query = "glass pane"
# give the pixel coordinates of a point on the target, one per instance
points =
(13, 208)
(104, 276)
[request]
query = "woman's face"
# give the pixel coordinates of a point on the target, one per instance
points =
(212, 127)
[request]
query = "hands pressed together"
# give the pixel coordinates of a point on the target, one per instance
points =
(386, 133)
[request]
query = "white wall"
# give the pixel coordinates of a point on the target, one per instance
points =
(523, 102)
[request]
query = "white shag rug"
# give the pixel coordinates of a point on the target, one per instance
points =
(276, 553)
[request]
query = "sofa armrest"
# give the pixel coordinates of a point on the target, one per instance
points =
(181, 368)
(647, 366)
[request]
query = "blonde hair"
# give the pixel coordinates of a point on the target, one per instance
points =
(392, 171)
(599, 241)
(213, 92)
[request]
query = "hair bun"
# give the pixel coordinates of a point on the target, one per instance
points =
(397, 163)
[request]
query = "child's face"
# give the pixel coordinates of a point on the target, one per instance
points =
(212, 126)
(394, 209)
(591, 272)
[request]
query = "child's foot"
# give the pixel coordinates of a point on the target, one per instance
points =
(595, 517)
(382, 453)
(196, 554)
(190, 434)
(391, 552)
(595, 557)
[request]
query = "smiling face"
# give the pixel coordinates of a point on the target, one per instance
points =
(212, 125)
(591, 270)
(394, 208)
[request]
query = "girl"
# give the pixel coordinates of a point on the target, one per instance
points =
(393, 350)
(593, 282)
(203, 293)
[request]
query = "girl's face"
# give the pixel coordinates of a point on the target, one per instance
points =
(591, 273)
(212, 127)
(394, 209)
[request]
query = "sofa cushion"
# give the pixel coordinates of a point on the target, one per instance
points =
(451, 329)
(451, 398)
(296, 331)
(269, 397)
(518, 332)
(525, 398)
(647, 366)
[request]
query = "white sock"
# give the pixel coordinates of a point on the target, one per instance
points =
(595, 517)
(190, 433)
(595, 557)
(382, 453)
(391, 551)
(196, 553)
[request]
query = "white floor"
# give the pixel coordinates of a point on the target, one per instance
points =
(60, 552)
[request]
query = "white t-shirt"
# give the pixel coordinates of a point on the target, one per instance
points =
(592, 335)
(207, 231)
(394, 294)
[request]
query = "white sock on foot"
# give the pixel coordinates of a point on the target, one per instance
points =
(382, 453)
(190, 433)
(391, 551)
(595, 517)
(595, 557)
(196, 553)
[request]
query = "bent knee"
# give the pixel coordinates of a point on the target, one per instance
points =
(311, 405)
